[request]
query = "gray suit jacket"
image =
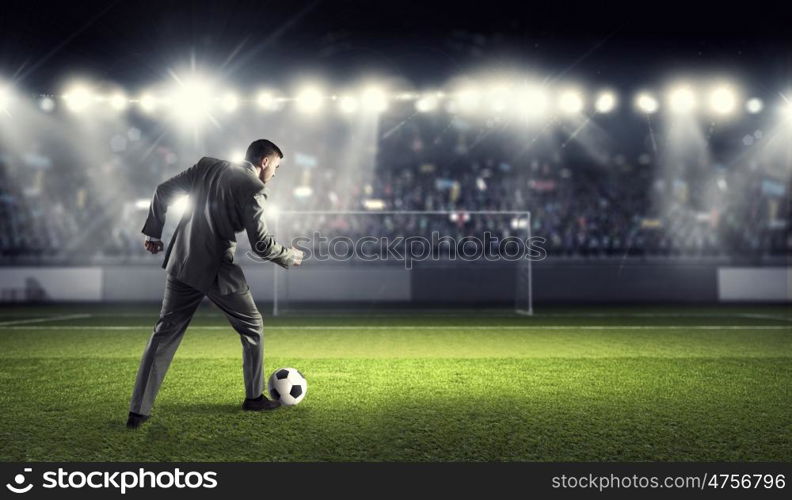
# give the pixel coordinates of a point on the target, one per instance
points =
(225, 198)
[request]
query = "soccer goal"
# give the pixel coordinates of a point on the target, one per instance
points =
(429, 259)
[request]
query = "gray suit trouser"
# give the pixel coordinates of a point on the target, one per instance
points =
(178, 306)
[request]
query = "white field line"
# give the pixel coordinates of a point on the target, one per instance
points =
(767, 316)
(44, 319)
(419, 328)
(483, 314)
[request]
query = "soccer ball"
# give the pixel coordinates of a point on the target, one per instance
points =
(287, 385)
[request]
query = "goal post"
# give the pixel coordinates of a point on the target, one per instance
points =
(289, 225)
(523, 295)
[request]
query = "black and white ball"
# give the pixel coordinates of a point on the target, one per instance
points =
(287, 385)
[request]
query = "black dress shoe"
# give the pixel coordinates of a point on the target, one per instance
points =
(135, 420)
(259, 404)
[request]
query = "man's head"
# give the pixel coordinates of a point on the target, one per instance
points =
(265, 156)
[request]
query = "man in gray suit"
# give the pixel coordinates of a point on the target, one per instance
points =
(225, 198)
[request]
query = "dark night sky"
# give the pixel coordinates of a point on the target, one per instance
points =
(133, 43)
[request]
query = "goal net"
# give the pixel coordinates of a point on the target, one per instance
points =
(424, 259)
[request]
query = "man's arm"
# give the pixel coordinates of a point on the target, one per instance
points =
(262, 241)
(165, 194)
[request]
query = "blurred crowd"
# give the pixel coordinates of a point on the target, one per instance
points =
(54, 207)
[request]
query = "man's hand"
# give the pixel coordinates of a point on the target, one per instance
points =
(298, 256)
(153, 246)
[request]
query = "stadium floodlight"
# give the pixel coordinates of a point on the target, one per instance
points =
(148, 103)
(180, 206)
(119, 101)
(373, 204)
(647, 103)
(754, 105)
(266, 100)
(142, 203)
(468, 99)
(571, 102)
(5, 98)
(426, 103)
(47, 104)
(786, 109)
(499, 97)
(374, 99)
(531, 101)
(310, 100)
(229, 102)
(303, 191)
(236, 156)
(348, 104)
(78, 98)
(519, 223)
(191, 101)
(723, 100)
(682, 99)
(272, 210)
(606, 102)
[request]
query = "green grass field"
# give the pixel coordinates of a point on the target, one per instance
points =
(583, 384)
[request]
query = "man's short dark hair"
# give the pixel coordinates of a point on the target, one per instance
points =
(260, 149)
